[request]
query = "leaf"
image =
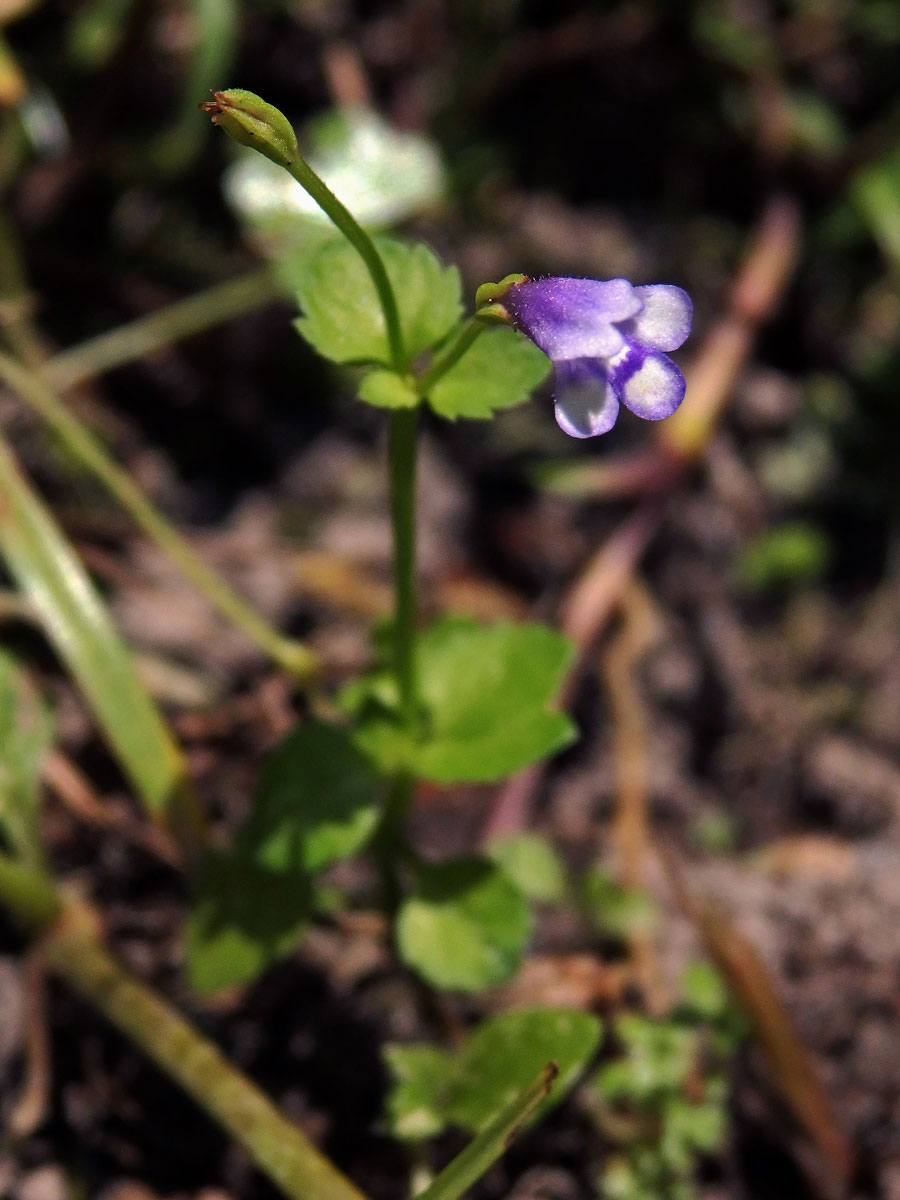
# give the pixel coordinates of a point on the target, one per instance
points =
(659, 1056)
(532, 864)
(504, 1053)
(342, 318)
(501, 369)
(420, 1075)
(490, 1142)
(794, 552)
(465, 926)
(706, 997)
(381, 173)
(875, 193)
(26, 733)
(76, 622)
(612, 909)
(692, 1128)
(243, 917)
(487, 691)
(316, 802)
(480, 1085)
(387, 389)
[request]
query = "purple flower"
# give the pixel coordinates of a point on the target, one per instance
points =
(607, 341)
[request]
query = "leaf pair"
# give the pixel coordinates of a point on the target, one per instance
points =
(487, 693)
(344, 322)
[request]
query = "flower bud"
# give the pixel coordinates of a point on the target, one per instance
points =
(253, 122)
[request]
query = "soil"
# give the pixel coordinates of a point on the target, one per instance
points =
(771, 714)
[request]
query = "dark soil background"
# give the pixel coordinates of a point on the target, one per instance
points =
(638, 138)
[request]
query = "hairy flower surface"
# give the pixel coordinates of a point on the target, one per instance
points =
(608, 343)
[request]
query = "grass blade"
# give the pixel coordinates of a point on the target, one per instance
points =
(484, 1150)
(77, 623)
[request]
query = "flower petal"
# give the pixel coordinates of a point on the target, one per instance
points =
(665, 320)
(572, 318)
(647, 383)
(586, 401)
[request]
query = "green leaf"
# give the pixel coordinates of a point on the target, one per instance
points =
(816, 125)
(243, 917)
(379, 732)
(342, 318)
(875, 193)
(612, 909)
(532, 864)
(387, 389)
(487, 692)
(659, 1057)
(690, 1129)
(316, 802)
(96, 30)
(505, 1051)
(26, 733)
(74, 619)
(491, 1141)
(705, 994)
(382, 174)
(794, 552)
(465, 926)
(508, 1072)
(501, 369)
(420, 1076)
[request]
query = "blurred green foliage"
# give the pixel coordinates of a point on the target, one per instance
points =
(664, 1098)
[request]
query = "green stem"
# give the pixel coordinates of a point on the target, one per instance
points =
(402, 454)
(86, 447)
(276, 1146)
(29, 893)
(390, 844)
(71, 947)
(159, 329)
(488, 1145)
(364, 246)
(450, 355)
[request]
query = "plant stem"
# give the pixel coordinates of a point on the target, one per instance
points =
(390, 843)
(487, 1146)
(276, 1146)
(402, 455)
(450, 355)
(87, 448)
(72, 948)
(28, 892)
(159, 329)
(364, 246)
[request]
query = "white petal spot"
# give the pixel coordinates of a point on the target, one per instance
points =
(665, 320)
(655, 389)
(586, 403)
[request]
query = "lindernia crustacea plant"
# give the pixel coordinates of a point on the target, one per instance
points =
(606, 339)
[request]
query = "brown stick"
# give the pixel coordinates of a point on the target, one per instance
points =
(34, 1098)
(631, 824)
(751, 984)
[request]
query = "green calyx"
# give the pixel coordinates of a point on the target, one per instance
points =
(252, 122)
(488, 306)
